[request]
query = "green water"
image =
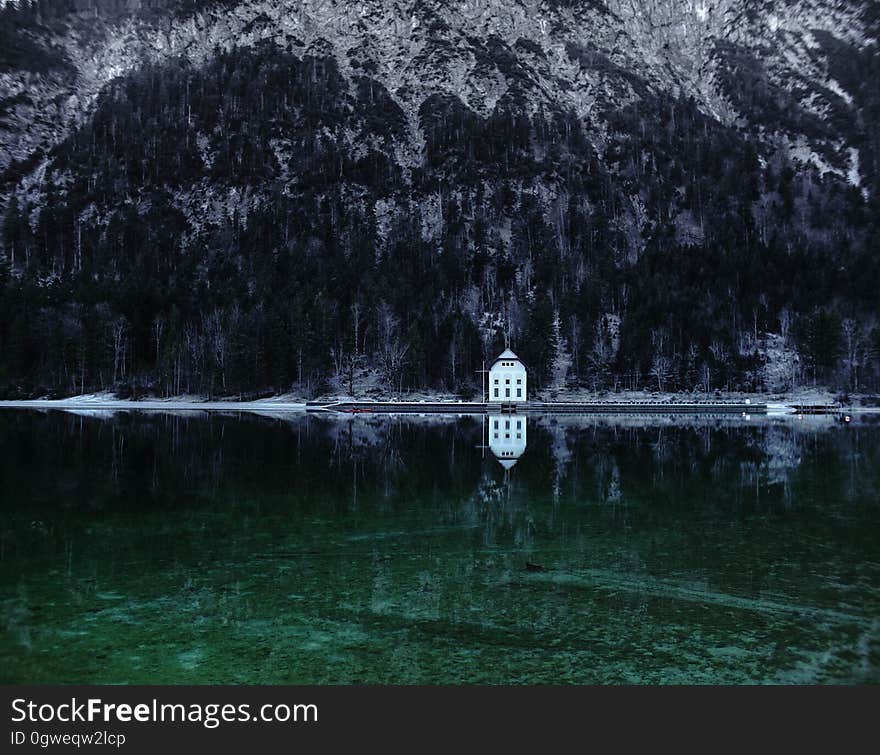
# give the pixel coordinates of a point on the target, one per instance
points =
(139, 548)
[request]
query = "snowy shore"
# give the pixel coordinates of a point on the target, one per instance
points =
(109, 402)
(776, 403)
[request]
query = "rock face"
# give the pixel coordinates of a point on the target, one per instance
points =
(599, 130)
(580, 56)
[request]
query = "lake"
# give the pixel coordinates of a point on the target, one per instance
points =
(302, 549)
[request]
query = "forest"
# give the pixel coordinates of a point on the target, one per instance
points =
(266, 224)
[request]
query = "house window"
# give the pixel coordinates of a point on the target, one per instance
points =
(507, 424)
(496, 381)
(519, 424)
(519, 392)
(518, 381)
(507, 435)
(496, 393)
(507, 392)
(518, 436)
(496, 435)
(496, 424)
(507, 382)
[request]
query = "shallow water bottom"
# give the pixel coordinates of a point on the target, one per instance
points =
(234, 550)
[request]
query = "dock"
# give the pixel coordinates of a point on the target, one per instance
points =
(817, 409)
(536, 407)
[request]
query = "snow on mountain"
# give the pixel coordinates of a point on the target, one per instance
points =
(584, 56)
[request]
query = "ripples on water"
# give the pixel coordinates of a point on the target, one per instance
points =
(192, 548)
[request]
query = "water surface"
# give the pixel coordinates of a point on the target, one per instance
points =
(209, 548)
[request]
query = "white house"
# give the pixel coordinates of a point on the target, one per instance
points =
(507, 437)
(507, 378)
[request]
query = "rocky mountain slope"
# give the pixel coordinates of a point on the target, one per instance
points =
(585, 57)
(536, 167)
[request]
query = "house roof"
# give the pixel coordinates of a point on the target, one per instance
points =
(506, 354)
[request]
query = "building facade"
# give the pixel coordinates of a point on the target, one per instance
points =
(507, 379)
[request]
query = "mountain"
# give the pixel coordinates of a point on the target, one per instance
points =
(221, 196)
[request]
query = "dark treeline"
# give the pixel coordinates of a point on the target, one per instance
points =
(254, 225)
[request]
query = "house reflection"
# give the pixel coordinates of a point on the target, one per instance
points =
(507, 437)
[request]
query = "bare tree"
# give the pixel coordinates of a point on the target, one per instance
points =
(158, 330)
(691, 365)
(353, 362)
(192, 343)
(453, 356)
(345, 367)
(337, 354)
(356, 325)
(718, 350)
(574, 329)
(785, 320)
(659, 337)
(119, 342)
(852, 346)
(218, 342)
(387, 325)
(601, 354)
(392, 360)
(391, 356)
(660, 369)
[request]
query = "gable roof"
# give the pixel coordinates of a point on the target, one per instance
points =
(506, 354)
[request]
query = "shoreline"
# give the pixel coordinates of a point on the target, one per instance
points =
(168, 405)
(774, 405)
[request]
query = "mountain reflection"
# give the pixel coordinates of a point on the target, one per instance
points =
(135, 460)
